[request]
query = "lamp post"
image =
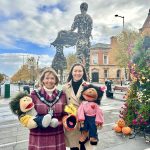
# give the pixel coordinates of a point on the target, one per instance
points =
(122, 30)
(37, 67)
(31, 62)
(122, 18)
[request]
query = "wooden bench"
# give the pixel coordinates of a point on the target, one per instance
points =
(120, 88)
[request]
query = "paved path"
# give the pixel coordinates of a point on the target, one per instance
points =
(15, 137)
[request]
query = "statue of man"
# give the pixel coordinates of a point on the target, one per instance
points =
(83, 23)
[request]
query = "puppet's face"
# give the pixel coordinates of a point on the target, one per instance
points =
(90, 94)
(26, 104)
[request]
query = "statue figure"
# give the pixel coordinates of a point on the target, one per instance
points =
(83, 23)
(67, 39)
(59, 62)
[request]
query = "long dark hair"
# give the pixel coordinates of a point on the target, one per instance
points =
(70, 73)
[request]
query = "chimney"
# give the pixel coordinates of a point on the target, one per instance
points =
(113, 41)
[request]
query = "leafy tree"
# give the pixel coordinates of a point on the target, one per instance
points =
(1, 77)
(25, 73)
(124, 47)
(71, 59)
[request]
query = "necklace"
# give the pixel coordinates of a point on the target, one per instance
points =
(49, 103)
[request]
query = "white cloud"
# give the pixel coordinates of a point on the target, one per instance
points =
(45, 61)
(12, 62)
(42, 27)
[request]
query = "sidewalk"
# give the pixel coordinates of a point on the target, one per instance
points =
(4, 101)
(108, 139)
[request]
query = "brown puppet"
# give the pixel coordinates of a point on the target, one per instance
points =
(90, 115)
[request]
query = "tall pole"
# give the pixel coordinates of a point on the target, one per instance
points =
(122, 19)
(125, 76)
(37, 67)
(123, 23)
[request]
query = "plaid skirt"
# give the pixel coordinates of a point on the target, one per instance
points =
(47, 142)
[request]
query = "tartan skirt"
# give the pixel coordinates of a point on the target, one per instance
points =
(47, 142)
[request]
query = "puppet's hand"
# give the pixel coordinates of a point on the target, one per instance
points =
(32, 124)
(81, 124)
(70, 109)
(99, 126)
(27, 121)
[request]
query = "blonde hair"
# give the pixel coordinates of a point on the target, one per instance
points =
(50, 71)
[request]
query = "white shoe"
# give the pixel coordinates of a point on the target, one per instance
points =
(54, 122)
(46, 120)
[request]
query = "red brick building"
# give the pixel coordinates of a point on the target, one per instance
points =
(145, 30)
(102, 63)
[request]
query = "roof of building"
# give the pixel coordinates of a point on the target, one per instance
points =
(101, 45)
(147, 21)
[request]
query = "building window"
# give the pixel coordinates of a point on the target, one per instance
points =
(118, 73)
(105, 59)
(105, 73)
(95, 58)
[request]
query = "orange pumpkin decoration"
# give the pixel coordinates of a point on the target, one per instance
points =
(126, 130)
(117, 128)
(121, 123)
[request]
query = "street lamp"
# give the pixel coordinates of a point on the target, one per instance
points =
(123, 30)
(31, 62)
(37, 67)
(122, 18)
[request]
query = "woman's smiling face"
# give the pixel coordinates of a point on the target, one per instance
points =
(49, 80)
(77, 73)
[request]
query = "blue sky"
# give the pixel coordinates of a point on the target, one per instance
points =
(27, 47)
(28, 27)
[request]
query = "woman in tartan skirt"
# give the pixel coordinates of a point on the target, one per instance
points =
(48, 99)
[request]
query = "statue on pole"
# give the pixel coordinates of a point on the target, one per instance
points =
(84, 24)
